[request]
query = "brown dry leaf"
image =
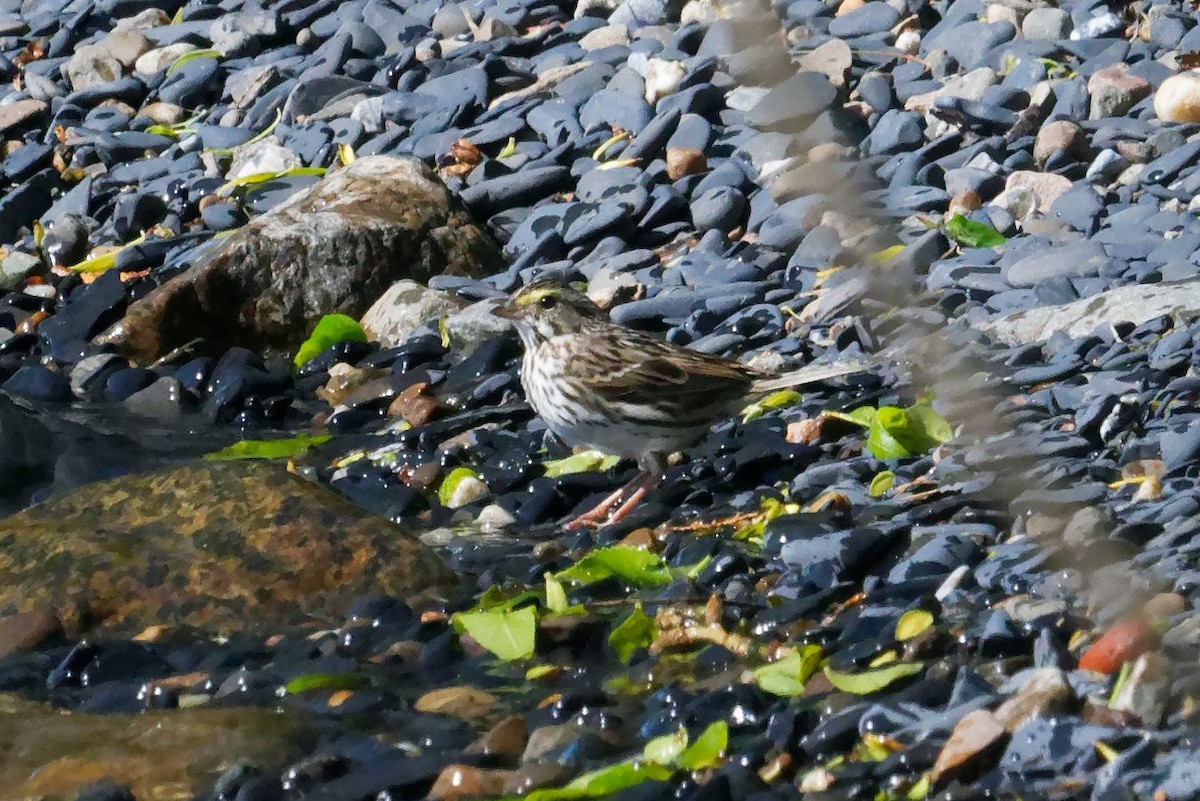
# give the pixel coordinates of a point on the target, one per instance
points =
(152, 633)
(181, 681)
(775, 768)
(714, 609)
(464, 158)
(678, 627)
(832, 499)
(1189, 60)
(1146, 474)
(1149, 490)
(32, 52)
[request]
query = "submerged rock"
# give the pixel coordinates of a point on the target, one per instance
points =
(26, 452)
(223, 546)
(49, 754)
(333, 248)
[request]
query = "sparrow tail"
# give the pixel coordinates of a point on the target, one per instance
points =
(809, 374)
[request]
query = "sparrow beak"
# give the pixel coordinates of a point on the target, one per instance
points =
(506, 310)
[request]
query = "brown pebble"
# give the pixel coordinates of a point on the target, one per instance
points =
(682, 162)
(639, 538)
(974, 745)
(547, 551)
(462, 702)
(529, 777)
(24, 631)
(468, 781)
(30, 323)
(1164, 605)
(414, 405)
(965, 202)
(507, 738)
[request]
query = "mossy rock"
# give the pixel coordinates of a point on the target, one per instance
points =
(222, 546)
(158, 754)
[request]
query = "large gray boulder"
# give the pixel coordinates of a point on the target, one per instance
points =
(1135, 304)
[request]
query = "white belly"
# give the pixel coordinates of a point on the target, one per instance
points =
(585, 427)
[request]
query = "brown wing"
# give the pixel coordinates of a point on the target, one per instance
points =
(636, 368)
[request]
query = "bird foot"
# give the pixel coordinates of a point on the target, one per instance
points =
(600, 516)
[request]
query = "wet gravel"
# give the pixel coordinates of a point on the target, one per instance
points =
(1065, 505)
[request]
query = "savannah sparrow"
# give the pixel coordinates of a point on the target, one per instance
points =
(617, 390)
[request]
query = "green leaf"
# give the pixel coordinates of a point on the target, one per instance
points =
(787, 677)
(450, 483)
(537, 671)
(1119, 685)
(331, 329)
(635, 631)
(872, 681)
(896, 433)
(862, 416)
(881, 440)
(268, 448)
(776, 400)
(632, 565)
(693, 572)
(508, 635)
(666, 749)
(973, 234)
(582, 462)
(920, 789)
(556, 596)
(106, 261)
(881, 257)
(509, 150)
(708, 749)
(322, 681)
(229, 187)
(932, 426)
(175, 130)
(769, 509)
(603, 782)
(882, 482)
(192, 55)
(912, 623)
(258, 137)
(1055, 69)
(495, 598)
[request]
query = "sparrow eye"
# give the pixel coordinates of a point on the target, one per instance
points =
(547, 301)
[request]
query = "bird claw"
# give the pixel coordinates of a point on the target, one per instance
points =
(599, 516)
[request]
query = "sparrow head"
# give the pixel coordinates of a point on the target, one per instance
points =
(548, 308)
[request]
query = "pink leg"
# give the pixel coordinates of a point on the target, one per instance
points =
(599, 515)
(596, 514)
(624, 509)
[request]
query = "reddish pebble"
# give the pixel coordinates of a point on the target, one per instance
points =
(1122, 643)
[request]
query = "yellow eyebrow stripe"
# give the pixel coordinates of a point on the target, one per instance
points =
(534, 296)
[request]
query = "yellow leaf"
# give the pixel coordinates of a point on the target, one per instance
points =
(912, 623)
